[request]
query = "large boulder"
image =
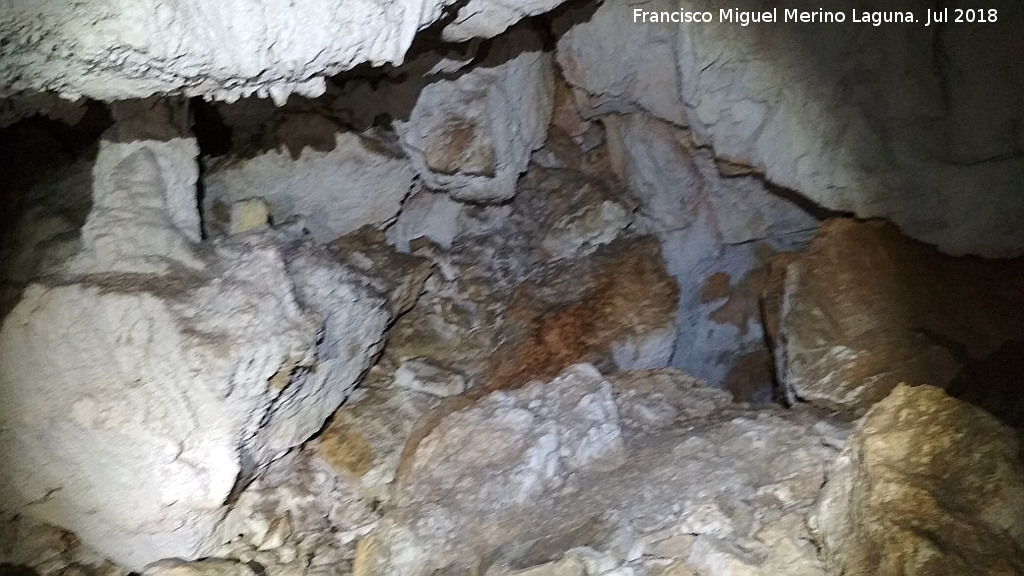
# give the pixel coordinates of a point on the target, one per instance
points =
(863, 309)
(644, 470)
(927, 485)
(150, 377)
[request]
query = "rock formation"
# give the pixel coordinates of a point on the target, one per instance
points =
(130, 49)
(926, 485)
(150, 377)
(864, 309)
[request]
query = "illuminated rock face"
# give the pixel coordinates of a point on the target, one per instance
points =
(116, 49)
(144, 381)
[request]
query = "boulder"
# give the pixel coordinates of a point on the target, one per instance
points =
(926, 485)
(149, 378)
(864, 309)
(646, 469)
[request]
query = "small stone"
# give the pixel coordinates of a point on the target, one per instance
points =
(249, 214)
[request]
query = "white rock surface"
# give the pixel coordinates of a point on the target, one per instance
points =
(116, 49)
(139, 386)
(335, 192)
(708, 483)
(421, 376)
(144, 217)
(487, 18)
(882, 121)
(472, 136)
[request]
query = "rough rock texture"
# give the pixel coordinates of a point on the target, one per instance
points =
(487, 18)
(118, 49)
(398, 276)
(902, 121)
(716, 235)
(468, 131)
(618, 313)
(637, 484)
(354, 183)
(298, 519)
(926, 485)
(472, 136)
(863, 309)
(523, 290)
(48, 551)
(146, 378)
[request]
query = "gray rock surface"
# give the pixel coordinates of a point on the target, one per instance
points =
(647, 470)
(716, 235)
(896, 121)
(472, 135)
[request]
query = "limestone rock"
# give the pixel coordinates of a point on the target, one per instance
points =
(400, 277)
(926, 485)
(143, 218)
(337, 191)
(575, 215)
(482, 483)
(430, 215)
(621, 65)
(298, 519)
(525, 444)
(716, 235)
(119, 49)
(472, 136)
(142, 383)
(923, 123)
(618, 309)
(249, 214)
(863, 309)
(487, 18)
(366, 437)
(421, 376)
